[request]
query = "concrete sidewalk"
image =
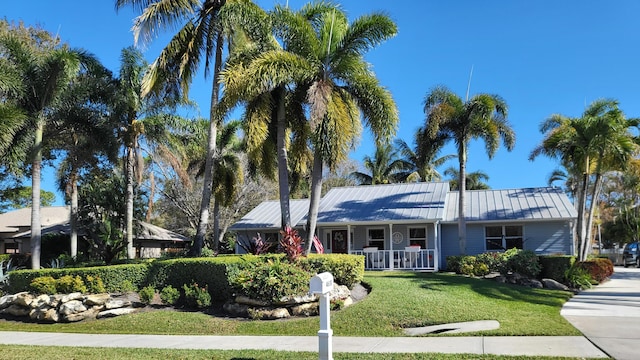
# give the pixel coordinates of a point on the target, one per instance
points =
(609, 314)
(568, 346)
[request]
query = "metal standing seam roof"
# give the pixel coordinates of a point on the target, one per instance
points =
(546, 203)
(384, 203)
(267, 215)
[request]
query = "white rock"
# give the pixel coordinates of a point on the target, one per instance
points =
(115, 312)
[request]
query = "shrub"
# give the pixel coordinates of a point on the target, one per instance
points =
(146, 294)
(524, 262)
(555, 267)
(291, 243)
(578, 277)
(169, 295)
(196, 296)
(127, 286)
(43, 285)
(70, 284)
(272, 281)
(493, 260)
(94, 284)
(598, 268)
(346, 269)
(453, 263)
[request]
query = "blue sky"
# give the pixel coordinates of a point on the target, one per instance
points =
(542, 57)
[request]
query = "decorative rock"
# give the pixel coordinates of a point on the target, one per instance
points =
(116, 304)
(23, 299)
(534, 284)
(251, 302)
(75, 317)
(292, 300)
(236, 309)
(348, 302)
(339, 292)
(6, 300)
(554, 285)
(308, 309)
(268, 314)
(41, 301)
(71, 297)
(16, 310)
(72, 307)
(115, 312)
(97, 299)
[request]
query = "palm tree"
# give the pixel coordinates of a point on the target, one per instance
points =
(44, 75)
(474, 180)
(229, 174)
(85, 133)
(385, 167)
(484, 116)
(202, 27)
(422, 160)
(593, 144)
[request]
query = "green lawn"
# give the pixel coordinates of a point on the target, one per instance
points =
(18, 352)
(397, 300)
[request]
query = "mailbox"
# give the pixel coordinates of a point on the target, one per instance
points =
(321, 283)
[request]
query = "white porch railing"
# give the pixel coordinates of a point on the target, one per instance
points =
(423, 259)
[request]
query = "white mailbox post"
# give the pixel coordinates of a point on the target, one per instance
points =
(322, 284)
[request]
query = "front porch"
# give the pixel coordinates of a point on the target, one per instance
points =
(410, 258)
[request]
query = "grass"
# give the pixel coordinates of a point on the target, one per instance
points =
(20, 352)
(397, 300)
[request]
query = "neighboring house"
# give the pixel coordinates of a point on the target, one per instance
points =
(150, 241)
(414, 225)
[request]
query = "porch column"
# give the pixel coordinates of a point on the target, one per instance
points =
(348, 239)
(438, 246)
(391, 246)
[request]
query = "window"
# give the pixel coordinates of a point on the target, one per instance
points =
(418, 237)
(11, 248)
(375, 237)
(504, 237)
(273, 238)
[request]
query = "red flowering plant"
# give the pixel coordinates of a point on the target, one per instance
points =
(257, 246)
(291, 243)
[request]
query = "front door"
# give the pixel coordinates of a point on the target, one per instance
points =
(339, 241)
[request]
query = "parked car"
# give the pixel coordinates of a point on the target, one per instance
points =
(631, 254)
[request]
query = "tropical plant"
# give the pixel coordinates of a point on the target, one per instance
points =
(474, 180)
(202, 26)
(291, 244)
(484, 116)
(385, 167)
(46, 72)
(597, 142)
(422, 160)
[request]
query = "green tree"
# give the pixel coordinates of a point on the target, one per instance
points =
(385, 167)
(44, 75)
(81, 129)
(202, 26)
(484, 116)
(597, 142)
(20, 197)
(422, 160)
(475, 180)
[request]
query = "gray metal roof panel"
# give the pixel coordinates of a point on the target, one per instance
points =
(267, 215)
(545, 203)
(384, 203)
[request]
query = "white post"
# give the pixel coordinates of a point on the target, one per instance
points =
(323, 284)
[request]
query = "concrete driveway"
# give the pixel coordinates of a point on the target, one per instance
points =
(609, 314)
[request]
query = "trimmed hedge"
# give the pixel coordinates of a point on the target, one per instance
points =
(555, 266)
(114, 277)
(213, 272)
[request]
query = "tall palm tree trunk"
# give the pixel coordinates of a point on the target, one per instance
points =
(216, 225)
(203, 223)
(462, 187)
(36, 168)
(283, 172)
(314, 199)
(592, 208)
(582, 203)
(129, 227)
(73, 218)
